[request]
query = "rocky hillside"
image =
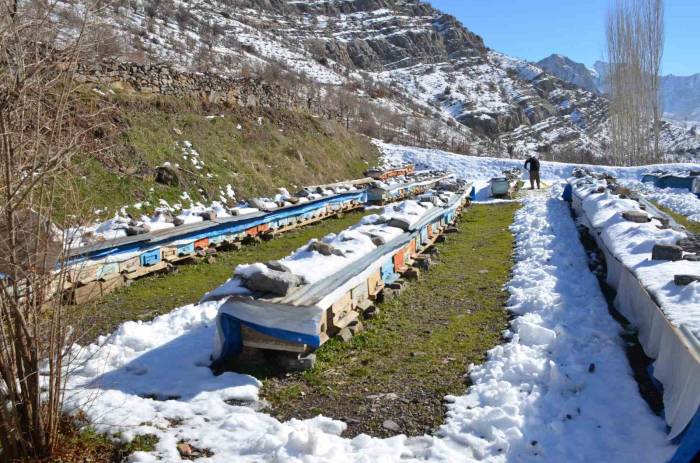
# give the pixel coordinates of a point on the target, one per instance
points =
(572, 72)
(427, 79)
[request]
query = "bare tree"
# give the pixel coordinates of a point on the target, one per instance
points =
(40, 133)
(635, 37)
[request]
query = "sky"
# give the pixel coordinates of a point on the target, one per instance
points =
(534, 29)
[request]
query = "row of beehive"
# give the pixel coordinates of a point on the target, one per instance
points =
(347, 308)
(385, 174)
(89, 279)
(381, 195)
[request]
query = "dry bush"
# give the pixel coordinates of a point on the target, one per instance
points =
(40, 133)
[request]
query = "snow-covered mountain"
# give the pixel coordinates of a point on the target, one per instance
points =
(680, 95)
(436, 80)
(570, 71)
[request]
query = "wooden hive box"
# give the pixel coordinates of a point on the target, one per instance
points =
(400, 261)
(129, 265)
(263, 228)
(201, 243)
(83, 272)
(387, 271)
(107, 271)
(217, 240)
(169, 253)
(359, 293)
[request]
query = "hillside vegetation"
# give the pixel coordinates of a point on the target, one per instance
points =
(253, 151)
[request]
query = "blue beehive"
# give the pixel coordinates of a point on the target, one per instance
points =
(151, 257)
(185, 249)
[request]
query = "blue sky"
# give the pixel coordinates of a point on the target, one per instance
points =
(533, 29)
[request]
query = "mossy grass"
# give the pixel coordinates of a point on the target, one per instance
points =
(690, 225)
(421, 343)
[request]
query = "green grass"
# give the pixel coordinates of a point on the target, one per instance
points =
(420, 344)
(156, 295)
(681, 219)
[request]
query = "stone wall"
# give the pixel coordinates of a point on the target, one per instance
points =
(164, 80)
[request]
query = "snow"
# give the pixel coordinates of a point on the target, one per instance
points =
(631, 243)
(474, 168)
(534, 399)
(678, 200)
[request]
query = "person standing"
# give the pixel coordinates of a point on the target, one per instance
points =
(533, 165)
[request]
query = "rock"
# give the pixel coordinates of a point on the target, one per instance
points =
(371, 312)
(134, 230)
(355, 327)
(412, 273)
(321, 247)
(417, 354)
(666, 252)
(345, 334)
(273, 282)
(684, 280)
(388, 294)
(399, 223)
(167, 175)
(391, 425)
(177, 131)
(257, 203)
(441, 239)
(424, 263)
(636, 216)
(277, 265)
(451, 229)
(296, 362)
(208, 215)
(177, 221)
(185, 449)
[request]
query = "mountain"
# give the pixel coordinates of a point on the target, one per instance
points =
(680, 95)
(400, 69)
(570, 71)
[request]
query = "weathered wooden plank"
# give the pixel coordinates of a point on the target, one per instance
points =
(258, 340)
(359, 293)
(374, 283)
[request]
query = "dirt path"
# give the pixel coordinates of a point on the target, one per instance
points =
(393, 378)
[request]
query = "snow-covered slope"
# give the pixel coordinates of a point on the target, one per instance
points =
(438, 81)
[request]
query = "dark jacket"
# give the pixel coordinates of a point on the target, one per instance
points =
(534, 164)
